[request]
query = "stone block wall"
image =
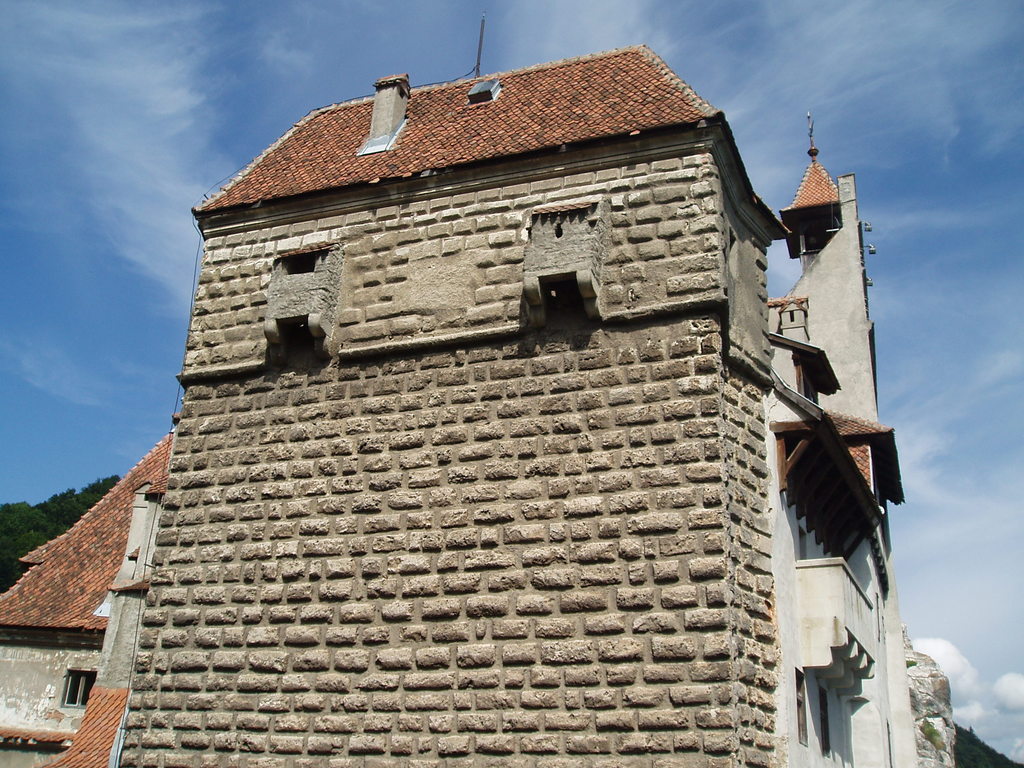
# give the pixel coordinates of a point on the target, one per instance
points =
(533, 547)
(438, 267)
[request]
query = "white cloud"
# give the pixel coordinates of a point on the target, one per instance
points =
(123, 88)
(1017, 752)
(963, 677)
(970, 713)
(995, 712)
(870, 72)
(1009, 691)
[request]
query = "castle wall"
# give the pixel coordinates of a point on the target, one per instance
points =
(32, 674)
(460, 541)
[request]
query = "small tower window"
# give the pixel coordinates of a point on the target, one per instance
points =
(301, 263)
(77, 686)
(826, 731)
(801, 708)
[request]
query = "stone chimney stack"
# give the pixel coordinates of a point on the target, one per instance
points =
(793, 321)
(388, 112)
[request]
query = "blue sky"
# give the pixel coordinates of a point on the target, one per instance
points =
(118, 117)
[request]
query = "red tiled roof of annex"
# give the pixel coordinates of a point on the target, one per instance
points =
(816, 188)
(540, 107)
(848, 426)
(873, 448)
(70, 575)
(785, 301)
(92, 742)
(29, 736)
(861, 455)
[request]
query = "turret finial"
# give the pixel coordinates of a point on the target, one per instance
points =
(813, 151)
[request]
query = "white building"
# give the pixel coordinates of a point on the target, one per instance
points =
(844, 697)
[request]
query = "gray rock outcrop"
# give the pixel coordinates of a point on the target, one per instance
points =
(933, 712)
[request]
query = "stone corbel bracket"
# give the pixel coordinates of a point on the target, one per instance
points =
(303, 291)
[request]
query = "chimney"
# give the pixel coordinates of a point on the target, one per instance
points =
(388, 113)
(793, 320)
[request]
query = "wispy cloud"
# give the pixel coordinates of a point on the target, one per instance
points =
(125, 87)
(51, 370)
(579, 27)
(870, 70)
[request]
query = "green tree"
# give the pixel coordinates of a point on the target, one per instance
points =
(972, 752)
(23, 527)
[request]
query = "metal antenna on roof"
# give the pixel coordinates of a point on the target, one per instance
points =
(480, 45)
(813, 151)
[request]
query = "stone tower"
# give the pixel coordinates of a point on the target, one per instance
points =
(471, 465)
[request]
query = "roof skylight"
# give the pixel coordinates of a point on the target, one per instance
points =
(484, 91)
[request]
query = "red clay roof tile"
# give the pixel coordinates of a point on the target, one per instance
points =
(862, 458)
(92, 742)
(873, 448)
(73, 572)
(785, 301)
(28, 736)
(540, 107)
(854, 425)
(816, 188)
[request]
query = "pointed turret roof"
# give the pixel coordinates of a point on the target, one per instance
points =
(816, 187)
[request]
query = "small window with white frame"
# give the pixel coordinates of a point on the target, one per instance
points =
(77, 685)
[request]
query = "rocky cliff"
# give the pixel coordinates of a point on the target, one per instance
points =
(933, 713)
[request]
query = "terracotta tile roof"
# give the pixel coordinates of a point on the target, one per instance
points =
(873, 448)
(27, 736)
(92, 742)
(816, 188)
(785, 301)
(854, 425)
(862, 458)
(74, 571)
(565, 207)
(574, 100)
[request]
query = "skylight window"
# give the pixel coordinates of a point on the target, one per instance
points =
(484, 91)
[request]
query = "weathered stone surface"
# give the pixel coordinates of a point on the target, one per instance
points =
(536, 547)
(932, 709)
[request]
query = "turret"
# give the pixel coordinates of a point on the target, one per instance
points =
(825, 234)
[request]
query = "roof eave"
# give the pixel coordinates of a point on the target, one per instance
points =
(203, 214)
(772, 224)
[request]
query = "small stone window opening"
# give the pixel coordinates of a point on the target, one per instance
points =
(77, 685)
(562, 297)
(801, 708)
(298, 339)
(562, 260)
(301, 300)
(826, 734)
(301, 263)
